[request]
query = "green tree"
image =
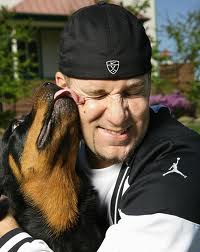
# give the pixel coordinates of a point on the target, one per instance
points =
(138, 7)
(17, 62)
(185, 33)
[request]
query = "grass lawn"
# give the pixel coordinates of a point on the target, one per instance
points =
(194, 126)
(190, 122)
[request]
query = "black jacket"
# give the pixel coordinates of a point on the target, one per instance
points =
(150, 192)
(155, 205)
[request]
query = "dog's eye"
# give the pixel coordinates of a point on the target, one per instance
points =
(16, 124)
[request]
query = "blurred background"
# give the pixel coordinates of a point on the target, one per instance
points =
(29, 38)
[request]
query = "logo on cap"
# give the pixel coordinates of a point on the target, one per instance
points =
(112, 66)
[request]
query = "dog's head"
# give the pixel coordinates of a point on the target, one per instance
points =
(39, 152)
(49, 135)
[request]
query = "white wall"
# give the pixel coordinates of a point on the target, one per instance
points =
(151, 24)
(49, 42)
(9, 3)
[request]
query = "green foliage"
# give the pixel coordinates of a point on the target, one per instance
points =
(191, 122)
(159, 85)
(194, 127)
(16, 67)
(185, 32)
(138, 7)
(194, 94)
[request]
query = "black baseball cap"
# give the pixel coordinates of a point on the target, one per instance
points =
(104, 41)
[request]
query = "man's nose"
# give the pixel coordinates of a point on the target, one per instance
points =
(117, 109)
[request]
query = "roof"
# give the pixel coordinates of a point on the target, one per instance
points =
(50, 7)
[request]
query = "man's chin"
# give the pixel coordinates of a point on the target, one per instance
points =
(113, 154)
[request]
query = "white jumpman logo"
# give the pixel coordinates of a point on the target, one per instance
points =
(174, 168)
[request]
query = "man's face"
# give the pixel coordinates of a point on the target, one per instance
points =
(114, 117)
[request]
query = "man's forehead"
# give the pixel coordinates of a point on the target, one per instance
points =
(137, 79)
(106, 83)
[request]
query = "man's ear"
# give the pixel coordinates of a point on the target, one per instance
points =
(61, 80)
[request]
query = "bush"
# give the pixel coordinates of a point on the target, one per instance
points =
(178, 104)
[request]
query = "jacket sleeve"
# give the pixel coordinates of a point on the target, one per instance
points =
(152, 233)
(19, 241)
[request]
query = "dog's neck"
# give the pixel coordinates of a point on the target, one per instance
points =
(56, 196)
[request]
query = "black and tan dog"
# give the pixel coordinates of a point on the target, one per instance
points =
(47, 196)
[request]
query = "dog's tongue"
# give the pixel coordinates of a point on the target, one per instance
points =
(68, 92)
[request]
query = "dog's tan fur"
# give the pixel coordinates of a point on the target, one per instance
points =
(35, 173)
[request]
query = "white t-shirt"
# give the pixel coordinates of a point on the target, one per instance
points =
(103, 180)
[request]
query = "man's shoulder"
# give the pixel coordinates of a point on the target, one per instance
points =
(164, 127)
(165, 141)
(165, 174)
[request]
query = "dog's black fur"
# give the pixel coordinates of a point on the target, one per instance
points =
(81, 233)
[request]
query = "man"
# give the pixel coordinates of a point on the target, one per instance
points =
(128, 148)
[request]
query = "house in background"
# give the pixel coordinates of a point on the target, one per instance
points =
(49, 17)
(179, 74)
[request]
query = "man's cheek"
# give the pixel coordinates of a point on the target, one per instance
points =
(91, 110)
